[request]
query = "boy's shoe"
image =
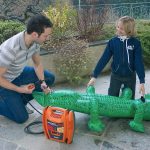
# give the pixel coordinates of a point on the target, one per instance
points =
(29, 110)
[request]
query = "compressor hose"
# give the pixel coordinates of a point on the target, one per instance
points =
(28, 129)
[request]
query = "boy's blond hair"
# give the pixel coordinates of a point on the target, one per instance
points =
(128, 24)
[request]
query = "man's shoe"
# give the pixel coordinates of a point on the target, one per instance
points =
(29, 110)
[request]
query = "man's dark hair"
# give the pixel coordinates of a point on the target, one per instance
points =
(38, 23)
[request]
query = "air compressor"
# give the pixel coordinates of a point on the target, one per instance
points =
(58, 124)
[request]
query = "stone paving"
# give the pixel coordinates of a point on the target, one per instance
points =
(116, 136)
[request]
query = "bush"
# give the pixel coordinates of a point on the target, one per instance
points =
(90, 20)
(108, 31)
(143, 33)
(62, 15)
(9, 28)
(71, 60)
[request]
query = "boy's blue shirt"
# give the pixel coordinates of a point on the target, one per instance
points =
(126, 58)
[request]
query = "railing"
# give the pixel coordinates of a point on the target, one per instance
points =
(136, 10)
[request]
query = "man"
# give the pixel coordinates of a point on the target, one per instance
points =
(17, 79)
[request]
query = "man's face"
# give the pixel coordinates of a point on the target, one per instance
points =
(44, 36)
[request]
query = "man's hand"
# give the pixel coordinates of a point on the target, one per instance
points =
(142, 89)
(27, 89)
(92, 81)
(45, 88)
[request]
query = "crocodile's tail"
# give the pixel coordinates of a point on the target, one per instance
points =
(147, 107)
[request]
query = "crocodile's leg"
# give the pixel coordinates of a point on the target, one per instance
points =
(90, 90)
(137, 124)
(95, 123)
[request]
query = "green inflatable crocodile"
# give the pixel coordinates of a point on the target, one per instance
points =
(99, 105)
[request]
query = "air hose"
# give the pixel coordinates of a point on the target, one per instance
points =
(28, 128)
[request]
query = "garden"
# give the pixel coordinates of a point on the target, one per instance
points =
(75, 31)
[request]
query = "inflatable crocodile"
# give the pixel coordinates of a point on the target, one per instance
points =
(99, 105)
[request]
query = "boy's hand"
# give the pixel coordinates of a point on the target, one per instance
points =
(142, 89)
(92, 81)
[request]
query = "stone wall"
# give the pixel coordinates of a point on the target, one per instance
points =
(22, 9)
(19, 9)
(93, 53)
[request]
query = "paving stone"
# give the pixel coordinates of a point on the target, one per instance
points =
(6, 145)
(110, 146)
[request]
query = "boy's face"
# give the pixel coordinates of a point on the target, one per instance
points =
(44, 36)
(120, 29)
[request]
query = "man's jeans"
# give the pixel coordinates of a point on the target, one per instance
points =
(12, 104)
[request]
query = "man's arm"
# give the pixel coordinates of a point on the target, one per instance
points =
(8, 85)
(5, 83)
(40, 72)
(38, 66)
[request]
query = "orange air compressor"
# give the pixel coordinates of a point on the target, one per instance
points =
(58, 124)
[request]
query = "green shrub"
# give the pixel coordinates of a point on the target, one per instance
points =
(9, 28)
(62, 15)
(143, 33)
